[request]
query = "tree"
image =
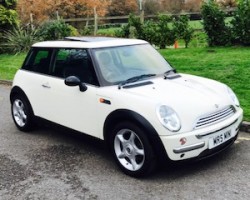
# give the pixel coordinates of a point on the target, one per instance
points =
(172, 6)
(193, 5)
(152, 7)
(122, 7)
(219, 34)
(35, 9)
(241, 23)
(8, 15)
(44, 9)
(183, 30)
(227, 3)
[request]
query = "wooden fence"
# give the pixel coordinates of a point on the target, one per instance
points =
(96, 21)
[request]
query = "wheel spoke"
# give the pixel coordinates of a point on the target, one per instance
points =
(139, 152)
(122, 155)
(133, 162)
(16, 114)
(23, 115)
(121, 138)
(16, 106)
(132, 138)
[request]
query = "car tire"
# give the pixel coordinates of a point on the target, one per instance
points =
(22, 113)
(132, 150)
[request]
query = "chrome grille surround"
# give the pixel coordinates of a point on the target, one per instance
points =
(214, 117)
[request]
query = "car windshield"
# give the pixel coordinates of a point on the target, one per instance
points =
(118, 64)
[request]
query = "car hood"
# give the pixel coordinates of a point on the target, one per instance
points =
(190, 96)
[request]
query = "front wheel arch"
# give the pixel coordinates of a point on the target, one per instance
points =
(122, 115)
(132, 150)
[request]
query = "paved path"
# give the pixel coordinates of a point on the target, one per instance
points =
(57, 164)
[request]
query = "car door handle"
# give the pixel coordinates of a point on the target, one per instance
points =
(46, 85)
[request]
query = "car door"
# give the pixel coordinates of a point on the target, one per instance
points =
(51, 99)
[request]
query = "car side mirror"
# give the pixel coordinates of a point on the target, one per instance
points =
(75, 81)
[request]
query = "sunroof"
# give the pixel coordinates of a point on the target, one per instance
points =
(89, 39)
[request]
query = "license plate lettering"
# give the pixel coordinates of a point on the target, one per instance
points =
(219, 139)
(227, 135)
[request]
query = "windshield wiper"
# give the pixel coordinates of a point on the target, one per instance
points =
(134, 79)
(171, 74)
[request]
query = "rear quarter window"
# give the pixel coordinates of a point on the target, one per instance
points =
(38, 60)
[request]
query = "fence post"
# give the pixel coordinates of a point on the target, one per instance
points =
(142, 16)
(95, 21)
(57, 15)
(31, 22)
(141, 7)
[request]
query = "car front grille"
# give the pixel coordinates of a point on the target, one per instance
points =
(215, 117)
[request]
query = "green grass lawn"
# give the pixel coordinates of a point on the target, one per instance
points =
(107, 32)
(228, 65)
(9, 65)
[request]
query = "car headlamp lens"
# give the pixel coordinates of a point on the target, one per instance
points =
(168, 118)
(233, 96)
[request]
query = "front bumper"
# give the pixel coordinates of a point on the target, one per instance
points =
(197, 143)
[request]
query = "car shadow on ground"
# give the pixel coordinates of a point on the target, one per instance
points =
(72, 143)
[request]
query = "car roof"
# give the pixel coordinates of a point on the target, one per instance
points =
(89, 42)
(90, 38)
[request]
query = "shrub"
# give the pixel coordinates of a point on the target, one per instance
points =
(160, 32)
(149, 31)
(8, 15)
(241, 23)
(136, 23)
(165, 36)
(19, 39)
(182, 29)
(218, 32)
(123, 31)
(85, 31)
(54, 30)
(73, 31)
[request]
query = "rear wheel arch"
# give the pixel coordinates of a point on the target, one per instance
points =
(17, 91)
(21, 110)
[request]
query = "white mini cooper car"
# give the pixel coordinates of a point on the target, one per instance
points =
(124, 92)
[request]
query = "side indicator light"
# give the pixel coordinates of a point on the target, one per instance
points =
(104, 101)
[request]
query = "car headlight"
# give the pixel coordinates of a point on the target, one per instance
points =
(233, 96)
(168, 118)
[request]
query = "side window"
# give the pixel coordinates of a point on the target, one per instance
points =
(38, 61)
(74, 62)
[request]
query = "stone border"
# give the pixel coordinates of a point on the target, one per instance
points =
(245, 126)
(4, 82)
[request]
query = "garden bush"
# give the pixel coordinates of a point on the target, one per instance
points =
(165, 35)
(219, 34)
(8, 15)
(161, 32)
(182, 29)
(19, 40)
(241, 23)
(54, 30)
